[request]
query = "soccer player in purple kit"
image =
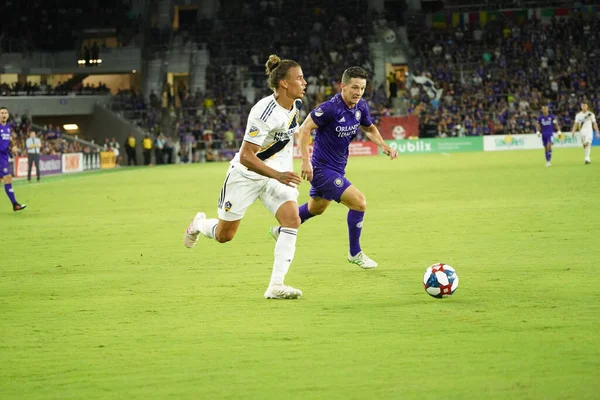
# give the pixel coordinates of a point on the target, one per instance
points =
(5, 175)
(545, 128)
(337, 122)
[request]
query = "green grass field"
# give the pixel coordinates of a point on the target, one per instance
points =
(99, 298)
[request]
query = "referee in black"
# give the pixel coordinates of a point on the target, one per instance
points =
(34, 146)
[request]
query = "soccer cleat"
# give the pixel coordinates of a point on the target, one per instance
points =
(190, 237)
(274, 232)
(362, 260)
(548, 164)
(282, 292)
(19, 207)
(587, 162)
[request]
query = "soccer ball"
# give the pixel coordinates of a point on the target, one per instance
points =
(440, 280)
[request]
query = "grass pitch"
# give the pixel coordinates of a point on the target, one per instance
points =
(99, 299)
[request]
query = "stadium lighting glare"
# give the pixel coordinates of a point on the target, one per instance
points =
(134, 71)
(71, 127)
(99, 61)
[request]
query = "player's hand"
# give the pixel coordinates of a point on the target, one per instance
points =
(289, 178)
(598, 134)
(538, 134)
(307, 170)
(388, 151)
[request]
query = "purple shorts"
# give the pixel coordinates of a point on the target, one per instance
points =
(4, 169)
(546, 139)
(328, 184)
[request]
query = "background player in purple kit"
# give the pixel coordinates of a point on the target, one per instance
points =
(337, 122)
(5, 175)
(545, 128)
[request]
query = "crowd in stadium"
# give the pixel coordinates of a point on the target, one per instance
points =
(496, 79)
(215, 119)
(490, 79)
(52, 138)
(43, 89)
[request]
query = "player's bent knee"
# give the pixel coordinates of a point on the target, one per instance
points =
(224, 237)
(361, 204)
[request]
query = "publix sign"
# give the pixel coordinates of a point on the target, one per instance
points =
(448, 145)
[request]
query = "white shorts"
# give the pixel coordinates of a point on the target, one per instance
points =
(585, 137)
(239, 192)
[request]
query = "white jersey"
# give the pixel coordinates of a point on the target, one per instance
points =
(585, 121)
(271, 127)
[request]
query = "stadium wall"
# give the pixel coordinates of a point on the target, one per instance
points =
(66, 163)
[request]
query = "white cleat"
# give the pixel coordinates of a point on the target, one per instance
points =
(190, 237)
(274, 232)
(282, 292)
(362, 260)
(548, 164)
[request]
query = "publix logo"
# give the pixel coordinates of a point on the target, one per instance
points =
(510, 141)
(412, 147)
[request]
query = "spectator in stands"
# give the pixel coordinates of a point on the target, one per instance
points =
(130, 148)
(147, 145)
(168, 150)
(159, 144)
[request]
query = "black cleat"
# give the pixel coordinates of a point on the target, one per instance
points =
(19, 207)
(588, 162)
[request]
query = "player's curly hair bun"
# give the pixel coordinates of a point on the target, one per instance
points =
(277, 69)
(272, 63)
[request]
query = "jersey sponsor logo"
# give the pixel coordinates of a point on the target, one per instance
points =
(318, 112)
(358, 115)
(253, 131)
(344, 131)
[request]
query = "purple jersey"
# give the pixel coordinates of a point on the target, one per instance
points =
(547, 124)
(4, 138)
(337, 125)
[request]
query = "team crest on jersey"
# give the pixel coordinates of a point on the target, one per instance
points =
(253, 131)
(338, 182)
(358, 115)
(227, 206)
(318, 112)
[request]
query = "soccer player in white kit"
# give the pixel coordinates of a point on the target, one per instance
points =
(263, 169)
(585, 123)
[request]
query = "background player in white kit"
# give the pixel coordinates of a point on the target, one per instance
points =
(263, 169)
(585, 123)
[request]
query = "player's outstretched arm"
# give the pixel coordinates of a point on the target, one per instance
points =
(249, 160)
(595, 126)
(374, 135)
(303, 141)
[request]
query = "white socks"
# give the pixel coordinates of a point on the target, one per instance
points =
(207, 227)
(587, 152)
(284, 254)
